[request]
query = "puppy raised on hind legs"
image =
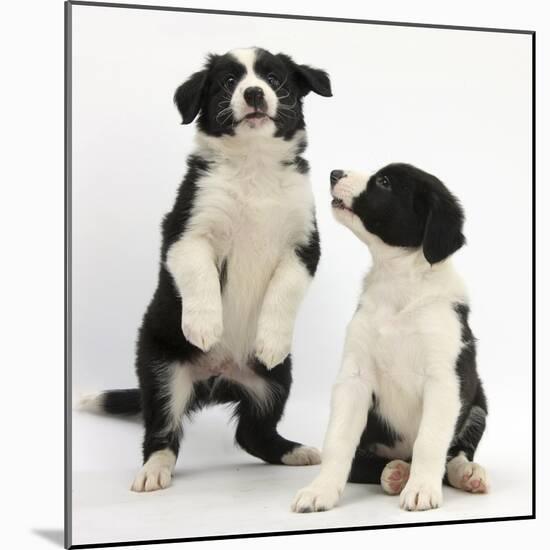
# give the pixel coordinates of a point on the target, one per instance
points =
(239, 249)
(408, 408)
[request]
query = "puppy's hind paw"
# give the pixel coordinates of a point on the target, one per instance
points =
(152, 479)
(468, 476)
(156, 473)
(394, 476)
(302, 456)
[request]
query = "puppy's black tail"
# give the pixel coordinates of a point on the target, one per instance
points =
(119, 402)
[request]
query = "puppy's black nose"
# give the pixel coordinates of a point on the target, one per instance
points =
(254, 96)
(336, 175)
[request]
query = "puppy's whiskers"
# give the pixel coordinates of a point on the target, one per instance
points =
(227, 111)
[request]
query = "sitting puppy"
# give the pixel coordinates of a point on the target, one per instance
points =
(407, 402)
(239, 249)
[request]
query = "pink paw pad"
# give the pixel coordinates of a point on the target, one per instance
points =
(394, 476)
(474, 479)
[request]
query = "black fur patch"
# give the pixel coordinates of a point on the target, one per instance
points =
(175, 221)
(300, 164)
(471, 421)
(123, 402)
(367, 466)
(310, 253)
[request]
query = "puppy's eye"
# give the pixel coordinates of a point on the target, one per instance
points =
(383, 181)
(230, 82)
(273, 80)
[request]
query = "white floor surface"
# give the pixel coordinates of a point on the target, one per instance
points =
(218, 489)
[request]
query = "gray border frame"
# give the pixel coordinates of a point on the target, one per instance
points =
(68, 277)
(68, 271)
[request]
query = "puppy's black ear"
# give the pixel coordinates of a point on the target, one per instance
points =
(443, 233)
(314, 80)
(308, 78)
(188, 96)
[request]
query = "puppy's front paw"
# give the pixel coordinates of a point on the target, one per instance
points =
(421, 494)
(317, 497)
(272, 344)
(203, 328)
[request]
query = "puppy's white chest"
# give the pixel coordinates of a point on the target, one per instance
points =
(396, 366)
(393, 338)
(256, 212)
(254, 216)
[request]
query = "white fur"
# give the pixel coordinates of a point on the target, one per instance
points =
(179, 388)
(217, 363)
(276, 322)
(401, 345)
(198, 281)
(247, 57)
(302, 456)
(467, 475)
(91, 402)
(156, 472)
(251, 211)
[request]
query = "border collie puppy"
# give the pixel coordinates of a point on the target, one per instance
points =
(239, 249)
(408, 408)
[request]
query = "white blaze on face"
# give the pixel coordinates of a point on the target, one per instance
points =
(247, 58)
(349, 186)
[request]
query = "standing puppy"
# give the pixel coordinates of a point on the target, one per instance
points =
(407, 402)
(239, 249)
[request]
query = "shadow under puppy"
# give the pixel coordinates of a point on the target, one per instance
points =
(239, 249)
(408, 408)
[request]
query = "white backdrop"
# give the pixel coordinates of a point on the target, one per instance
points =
(456, 103)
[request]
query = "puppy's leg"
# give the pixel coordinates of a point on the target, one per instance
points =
(260, 407)
(192, 263)
(351, 400)
(440, 410)
(283, 297)
(350, 404)
(166, 396)
(462, 472)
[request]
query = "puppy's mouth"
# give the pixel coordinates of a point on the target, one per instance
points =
(338, 204)
(256, 114)
(255, 117)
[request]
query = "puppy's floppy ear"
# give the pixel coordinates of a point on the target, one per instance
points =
(188, 96)
(443, 232)
(314, 80)
(308, 78)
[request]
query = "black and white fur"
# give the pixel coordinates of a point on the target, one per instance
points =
(408, 408)
(239, 249)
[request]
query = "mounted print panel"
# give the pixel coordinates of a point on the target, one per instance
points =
(232, 178)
